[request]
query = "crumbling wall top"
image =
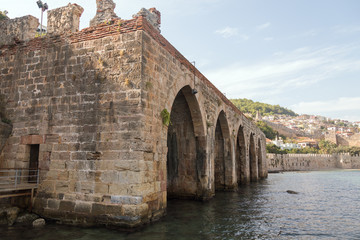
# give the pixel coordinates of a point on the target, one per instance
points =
(152, 15)
(18, 29)
(104, 12)
(64, 19)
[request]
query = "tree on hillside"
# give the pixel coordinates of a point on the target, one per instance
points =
(269, 132)
(249, 106)
(326, 147)
(272, 148)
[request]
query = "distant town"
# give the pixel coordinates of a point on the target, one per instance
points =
(308, 130)
(288, 132)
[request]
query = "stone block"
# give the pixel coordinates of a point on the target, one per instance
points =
(122, 165)
(98, 209)
(102, 188)
(53, 203)
(66, 206)
(62, 186)
(118, 188)
(83, 207)
(135, 210)
(120, 199)
(40, 204)
(32, 139)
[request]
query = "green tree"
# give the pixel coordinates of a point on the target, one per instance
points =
(249, 106)
(326, 147)
(272, 148)
(267, 130)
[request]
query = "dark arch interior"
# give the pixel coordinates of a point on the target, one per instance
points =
(182, 176)
(240, 157)
(260, 166)
(219, 158)
(222, 148)
(252, 158)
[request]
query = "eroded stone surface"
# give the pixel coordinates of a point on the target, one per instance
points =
(64, 19)
(104, 12)
(152, 15)
(18, 29)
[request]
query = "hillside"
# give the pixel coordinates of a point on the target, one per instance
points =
(249, 106)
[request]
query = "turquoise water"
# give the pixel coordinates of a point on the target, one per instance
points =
(327, 206)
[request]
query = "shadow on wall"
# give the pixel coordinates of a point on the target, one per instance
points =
(5, 127)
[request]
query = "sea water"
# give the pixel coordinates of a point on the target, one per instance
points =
(326, 206)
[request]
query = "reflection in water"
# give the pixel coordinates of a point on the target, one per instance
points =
(327, 207)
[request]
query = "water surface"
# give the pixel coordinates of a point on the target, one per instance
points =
(327, 206)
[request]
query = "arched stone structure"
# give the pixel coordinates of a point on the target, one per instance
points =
(185, 160)
(96, 115)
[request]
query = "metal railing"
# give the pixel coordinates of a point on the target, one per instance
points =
(12, 179)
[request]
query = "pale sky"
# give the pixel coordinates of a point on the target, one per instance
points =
(300, 54)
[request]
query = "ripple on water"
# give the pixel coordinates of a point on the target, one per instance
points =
(327, 207)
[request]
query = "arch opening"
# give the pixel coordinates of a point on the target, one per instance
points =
(252, 159)
(260, 160)
(242, 167)
(185, 157)
(223, 165)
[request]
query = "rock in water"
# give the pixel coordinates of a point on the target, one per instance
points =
(39, 222)
(291, 192)
(11, 215)
(26, 218)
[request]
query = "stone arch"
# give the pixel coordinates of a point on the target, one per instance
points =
(252, 159)
(222, 148)
(260, 159)
(242, 166)
(186, 157)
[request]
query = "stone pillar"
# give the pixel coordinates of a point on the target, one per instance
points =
(18, 29)
(104, 12)
(152, 15)
(64, 19)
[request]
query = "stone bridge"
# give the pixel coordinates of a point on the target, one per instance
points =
(117, 120)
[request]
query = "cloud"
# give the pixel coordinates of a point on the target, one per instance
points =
(347, 29)
(343, 108)
(268, 38)
(245, 37)
(340, 104)
(263, 26)
(296, 70)
(227, 32)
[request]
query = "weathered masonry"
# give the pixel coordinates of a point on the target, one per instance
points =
(117, 119)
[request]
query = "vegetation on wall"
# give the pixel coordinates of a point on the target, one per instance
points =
(165, 115)
(249, 106)
(3, 15)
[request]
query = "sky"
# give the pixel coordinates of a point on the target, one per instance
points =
(301, 54)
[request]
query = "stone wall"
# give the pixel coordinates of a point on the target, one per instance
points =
(18, 29)
(352, 141)
(311, 162)
(64, 20)
(5, 131)
(287, 132)
(93, 102)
